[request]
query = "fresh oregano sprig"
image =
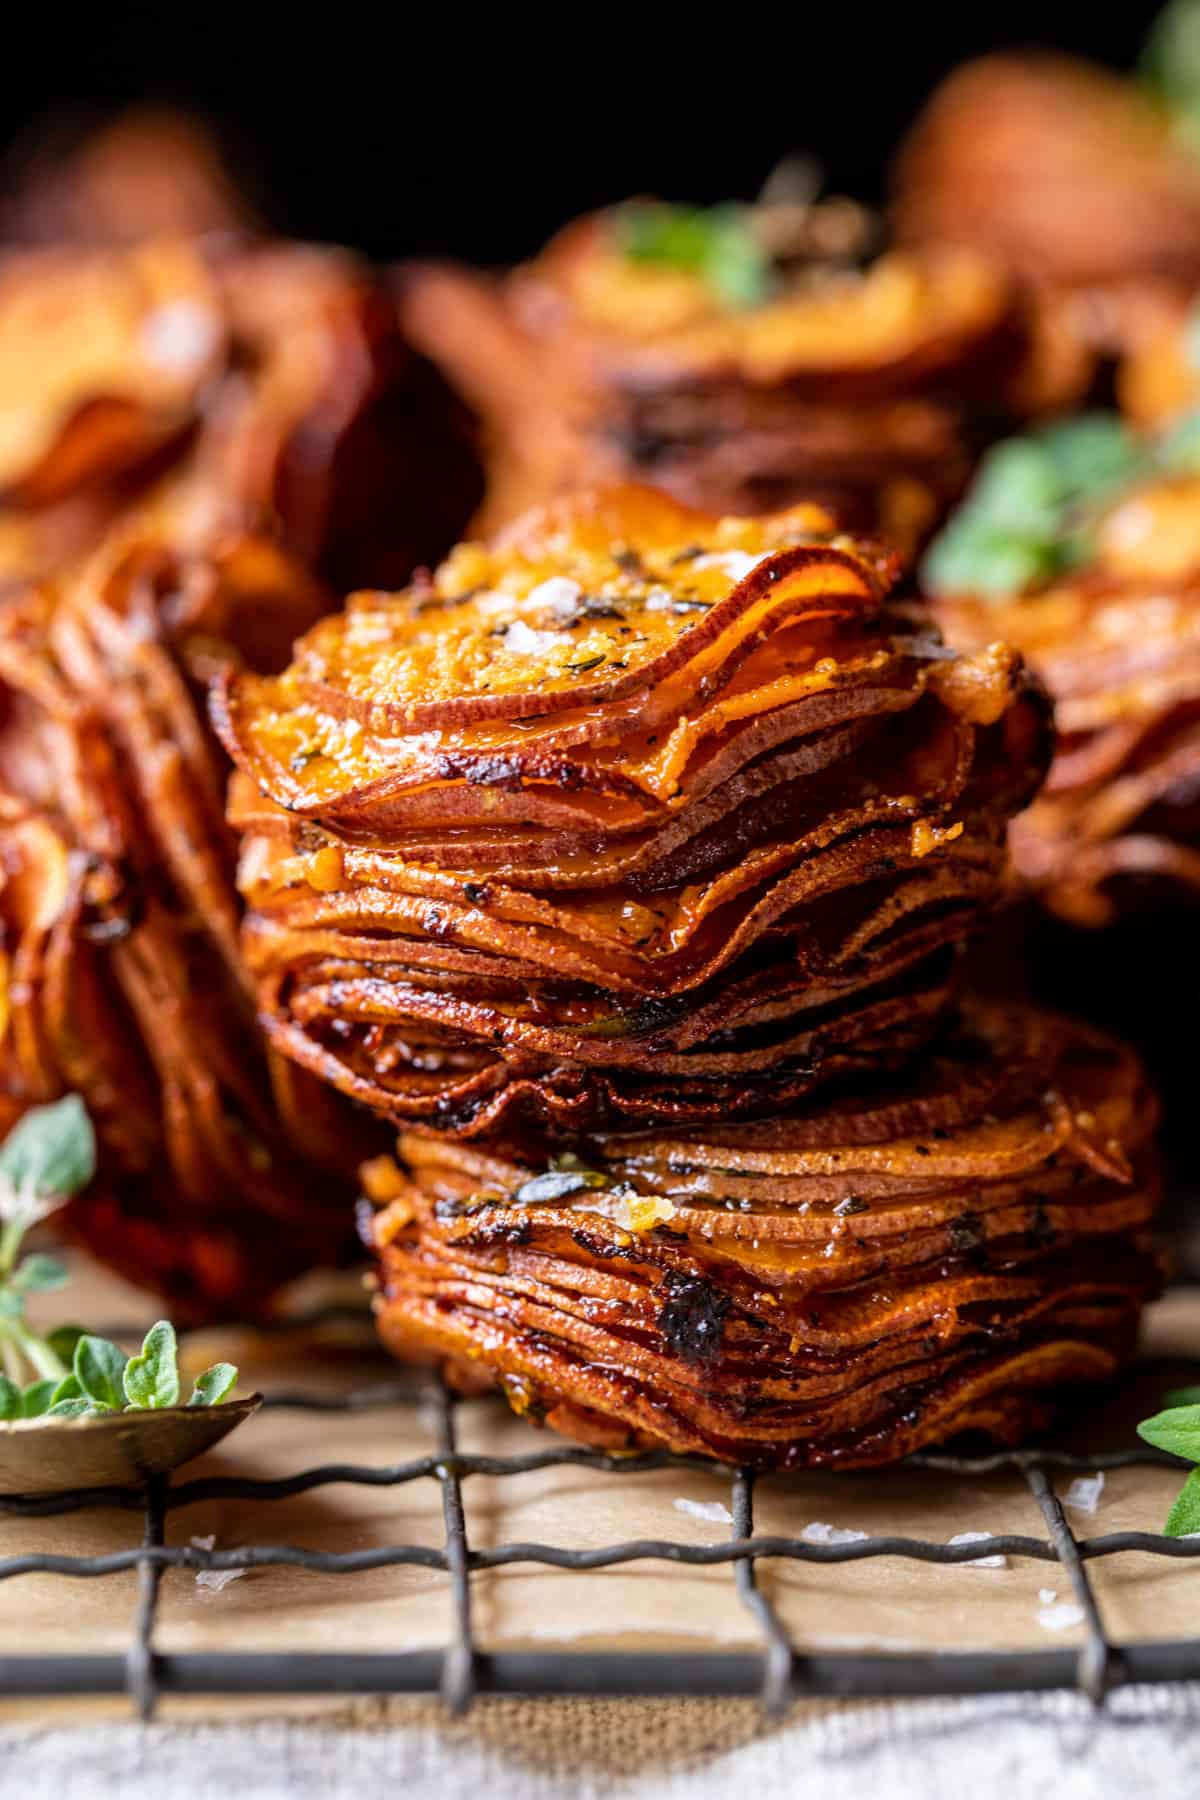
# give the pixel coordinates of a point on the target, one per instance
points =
(719, 244)
(1031, 511)
(102, 1379)
(1177, 1429)
(1170, 65)
(49, 1154)
(70, 1373)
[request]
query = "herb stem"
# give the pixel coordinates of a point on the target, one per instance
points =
(10, 1356)
(11, 1234)
(47, 1362)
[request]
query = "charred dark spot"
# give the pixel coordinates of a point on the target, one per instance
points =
(435, 924)
(853, 1203)
(488, 1235)
(653, 1014)
(476, 892)
(967, 1236)
(1040, 1228)
(691, 1318)
(493, 771)
(907, 1402)
(455, 768)
(642, 446)
(603, 1249)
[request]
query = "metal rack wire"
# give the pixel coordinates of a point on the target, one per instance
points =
(778, 1672)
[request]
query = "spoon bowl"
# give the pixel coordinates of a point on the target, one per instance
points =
(56, 1456)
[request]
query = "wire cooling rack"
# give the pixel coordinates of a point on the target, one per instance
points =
(777, 1672)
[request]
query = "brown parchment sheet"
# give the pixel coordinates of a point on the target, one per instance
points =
(880, 1603)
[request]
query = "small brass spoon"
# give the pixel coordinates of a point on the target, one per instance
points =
(55, 1456)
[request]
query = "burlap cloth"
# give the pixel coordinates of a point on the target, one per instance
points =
(1023, 1747)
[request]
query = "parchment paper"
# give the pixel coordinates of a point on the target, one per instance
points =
(881, 1603)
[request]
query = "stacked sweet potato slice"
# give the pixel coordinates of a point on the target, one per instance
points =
(838, 1286)
(842, 375)
(623, 863)
(200, 440)
(213, 386)
(1117, 642)
(1077, 180)
(636, 815)
(223, 1171)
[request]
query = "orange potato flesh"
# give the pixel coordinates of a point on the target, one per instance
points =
(222, 1172)
(633, 814)
(836, 1287)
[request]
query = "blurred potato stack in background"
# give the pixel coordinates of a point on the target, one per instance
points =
(202, 439)
(740, 358)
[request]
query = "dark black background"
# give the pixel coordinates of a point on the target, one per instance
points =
(443, 131)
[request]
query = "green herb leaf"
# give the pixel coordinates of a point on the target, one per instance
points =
(972, 559)
(63, 1339)
(554, 1185)
(10, 1399)
(1184, 1396)
(52, 1149)
(1091, 454)
(1170, 61)
(1030, 509)
(1176, 1430)
(717, 243)
(212, 1386)
(67, 1389)
(1017, 489)
(37, 1398)
(151, 1379)
(12, 1304)
(1184, 1516)
(99, 1367)
(74, 1409)
(567, 1162)
(39, 1274)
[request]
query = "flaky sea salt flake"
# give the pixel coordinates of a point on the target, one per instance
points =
(1083, 1495)
(978, 1562)
(713, 1512)
(820, 1533)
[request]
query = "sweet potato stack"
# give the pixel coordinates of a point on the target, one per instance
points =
(149, 172)
(194, 438)
(839, 1286)
(637, 346)
(1076, 180)
(223, 1171)
(637, 815)
(216, 386)
(623, 863)
(1117, 642)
